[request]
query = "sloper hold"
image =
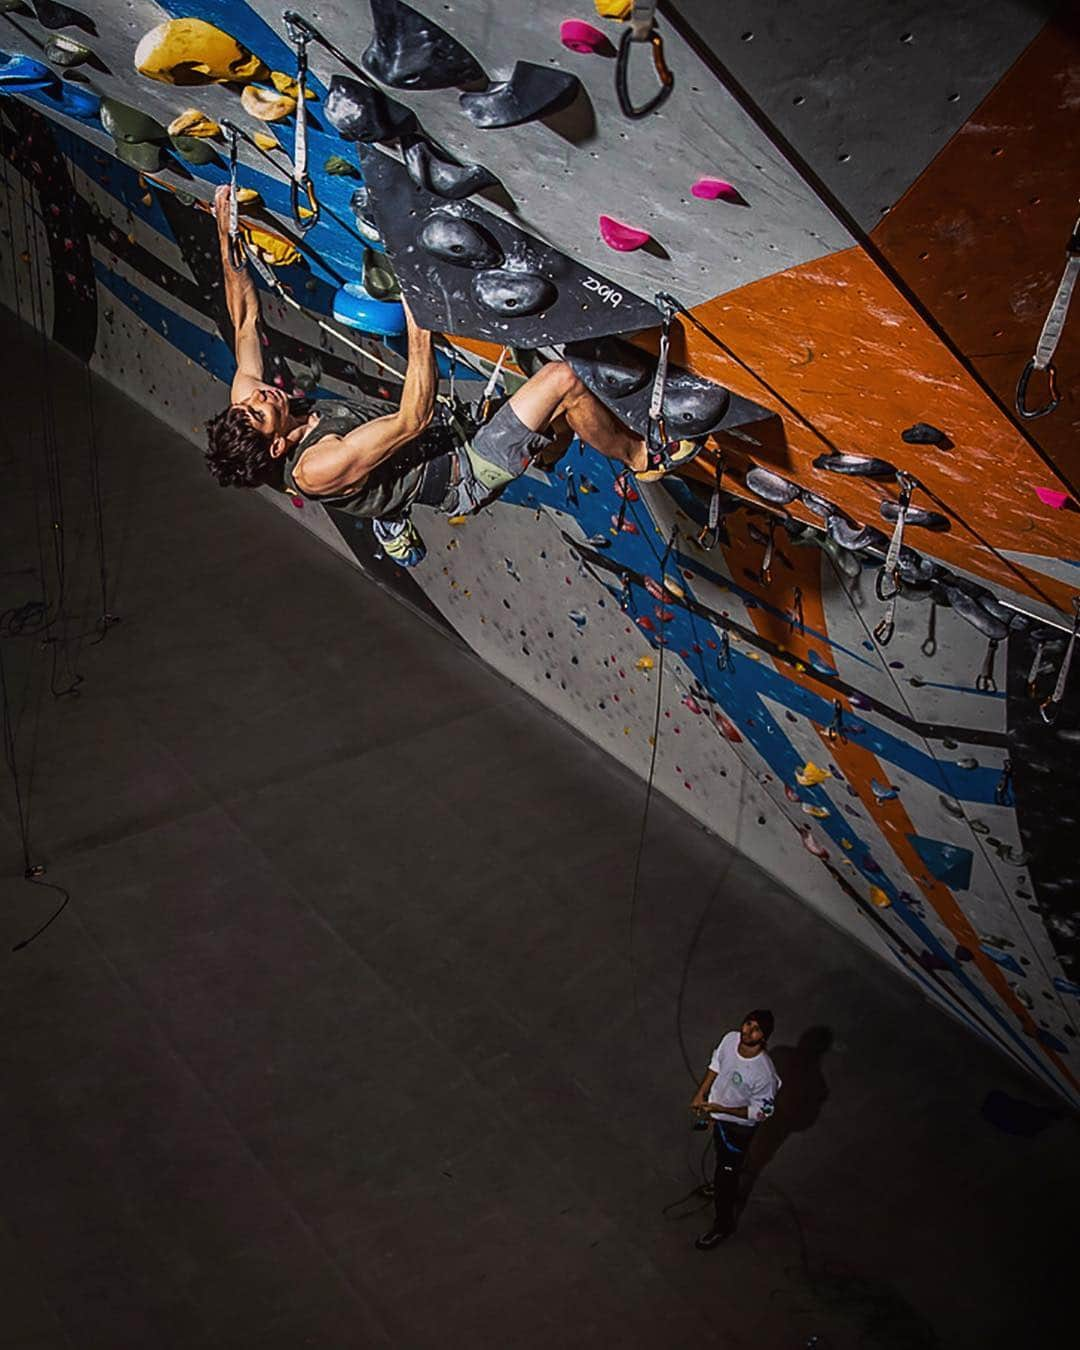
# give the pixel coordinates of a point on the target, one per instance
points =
(856, 466)
(267, 105)
(127, 125)
(357, 112)
(441, 295)
(432, 171)
(770, 486)
(190, 51)
(23, 72)
(616, 368)
(532, 91)
(66, 52)
(973, 612)
(194, 149)
(461, 242)
(692, 406)
(509, 293)
(947, 863)
(914, 515)
(409, 51)
(854, 537)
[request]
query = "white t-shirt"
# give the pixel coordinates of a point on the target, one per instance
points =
(739, 1081)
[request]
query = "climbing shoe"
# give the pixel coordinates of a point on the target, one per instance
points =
(713, 1238)
(674, 456)
(401, 541)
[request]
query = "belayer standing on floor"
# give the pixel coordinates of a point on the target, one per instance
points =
(738, 1092)
(378, 465)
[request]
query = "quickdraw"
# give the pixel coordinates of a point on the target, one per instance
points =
(1003, 795)
(709, 535)
(571, 488)
(795, 614)
(723, 656)
(642, 28)
(766, 561)
(1036, 669)
(928, 646)
(885, 629)
(490, 387)
(1050, 708)
(236, 252)
(984, 681)
(835, 730)
(1050, 336)
(304, 217)
(656, 433)
(887, 582)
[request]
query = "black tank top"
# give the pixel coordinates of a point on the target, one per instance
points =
(421, 471)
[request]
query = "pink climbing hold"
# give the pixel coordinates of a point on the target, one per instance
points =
(622, 238)
(728, 728)
(715, 189)
(1052, 497)
(582, 37)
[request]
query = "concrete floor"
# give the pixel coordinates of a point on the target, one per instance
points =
(335, 1044)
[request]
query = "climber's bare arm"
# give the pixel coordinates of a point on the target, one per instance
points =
(242, 300)
(337, 463)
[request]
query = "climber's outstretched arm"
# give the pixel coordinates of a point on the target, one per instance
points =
(337, 463)
(242, 300)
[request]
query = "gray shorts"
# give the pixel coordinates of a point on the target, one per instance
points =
(502, 449)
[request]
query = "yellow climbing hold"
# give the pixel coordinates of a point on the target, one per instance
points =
(614, 9)
(846, 843)
(192, 122)
(271, 248)
(879, 898)
(810, 775)
(285, 84)
(266, 104)
(191, 51)
(265, 141)
(644, 663)
(247, 197)
(673, 588)
(818, 812)
(456, 520)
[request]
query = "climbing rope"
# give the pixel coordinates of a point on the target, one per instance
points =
(1052, 706)
(642, 28)
(1051, 335)
(304, 218)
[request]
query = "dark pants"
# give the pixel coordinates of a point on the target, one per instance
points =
(731, 1143)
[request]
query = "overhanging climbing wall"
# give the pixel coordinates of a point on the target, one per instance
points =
(860, 217)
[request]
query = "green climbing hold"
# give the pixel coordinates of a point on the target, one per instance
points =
(340, 168)
(142, 155)
(380, 280)
(65, 51)
(129, 125)
(194, 149)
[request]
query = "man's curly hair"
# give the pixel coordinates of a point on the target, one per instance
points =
(237, 455)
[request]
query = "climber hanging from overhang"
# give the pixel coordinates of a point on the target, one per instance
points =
(376, 462)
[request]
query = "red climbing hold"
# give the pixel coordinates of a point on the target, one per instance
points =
(622, 238)
(624, 488)
(715, 189)
(582, 37)
(728, 728)
(1052, 497)
(646, 623)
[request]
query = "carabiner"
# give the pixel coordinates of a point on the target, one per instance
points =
(303, 185)
(663, 74)
(235, 249)
(1053, 399)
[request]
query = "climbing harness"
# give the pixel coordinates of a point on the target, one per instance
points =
(984, 681)
(304, 217)
(642, 28)
(236, 247)
(1050, 708)
(1051, 335)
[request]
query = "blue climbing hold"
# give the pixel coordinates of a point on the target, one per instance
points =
(1003, 959)
(356, 308)
(948, 863)
(24, 73)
